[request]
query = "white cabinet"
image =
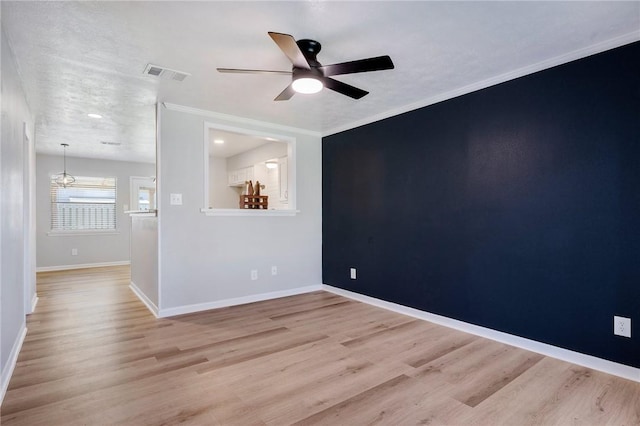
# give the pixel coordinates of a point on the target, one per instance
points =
(240, 176)
(234, 178)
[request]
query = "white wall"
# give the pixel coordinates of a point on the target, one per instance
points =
(204, 259)
(55, 251)
(257, 155)
(15, 113)
(221, 195)
(144, 258)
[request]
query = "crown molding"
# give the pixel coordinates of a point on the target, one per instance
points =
(511, 75)
(241, 120)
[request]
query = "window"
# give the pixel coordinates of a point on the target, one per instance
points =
(88, 204)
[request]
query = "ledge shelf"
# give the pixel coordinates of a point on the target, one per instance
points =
(248, 212)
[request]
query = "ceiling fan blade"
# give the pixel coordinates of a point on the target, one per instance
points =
(288, 45)
(343, 88)
(286, 94)
(378, 63)
(245, 71)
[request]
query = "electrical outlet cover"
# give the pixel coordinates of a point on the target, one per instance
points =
(175, 199)
(622, 326)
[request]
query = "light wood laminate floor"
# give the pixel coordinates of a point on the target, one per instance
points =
(94, 355)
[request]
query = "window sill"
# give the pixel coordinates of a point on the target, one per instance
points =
(93, 232)
(142, 213)
(248, 212)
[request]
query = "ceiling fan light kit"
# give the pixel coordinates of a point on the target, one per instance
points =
(310, 76)
(307, 85)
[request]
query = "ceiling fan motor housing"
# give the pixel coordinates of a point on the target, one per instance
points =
(310, 49)
(305, 73)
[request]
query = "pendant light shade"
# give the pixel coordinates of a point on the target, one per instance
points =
(64, 179)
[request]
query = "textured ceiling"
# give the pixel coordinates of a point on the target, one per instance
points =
(82, 57)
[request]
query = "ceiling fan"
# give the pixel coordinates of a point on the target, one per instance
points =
(309, 75)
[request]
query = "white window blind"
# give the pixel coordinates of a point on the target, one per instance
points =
(87, 204)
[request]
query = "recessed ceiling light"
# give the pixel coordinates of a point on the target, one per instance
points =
(92, 115)
(271, 139)
(218, 141)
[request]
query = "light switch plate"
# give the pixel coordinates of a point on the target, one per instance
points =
(176, 199)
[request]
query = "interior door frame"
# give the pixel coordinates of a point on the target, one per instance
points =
(29, 221)
(137, 182)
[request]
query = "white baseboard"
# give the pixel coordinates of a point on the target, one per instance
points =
(81, 266)
(187, 309)
(573, 357)
(34, 302)
(144, 299)
(7, 371)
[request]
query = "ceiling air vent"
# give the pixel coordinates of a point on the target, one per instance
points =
(165, 73)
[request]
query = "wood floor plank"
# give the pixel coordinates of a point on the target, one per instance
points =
(334, 413)
(325, 383)
(495, 376)
(94, 355)
(388, 404)
(356, 321)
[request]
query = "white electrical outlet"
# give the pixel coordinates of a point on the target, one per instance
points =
(175, 199)
(353, 273)
(74, 252)
(622, 326)
(274, 270)
(254, 274)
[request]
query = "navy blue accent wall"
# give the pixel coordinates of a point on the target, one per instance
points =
(516, 207)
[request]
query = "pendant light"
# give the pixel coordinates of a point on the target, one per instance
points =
(64, 179)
